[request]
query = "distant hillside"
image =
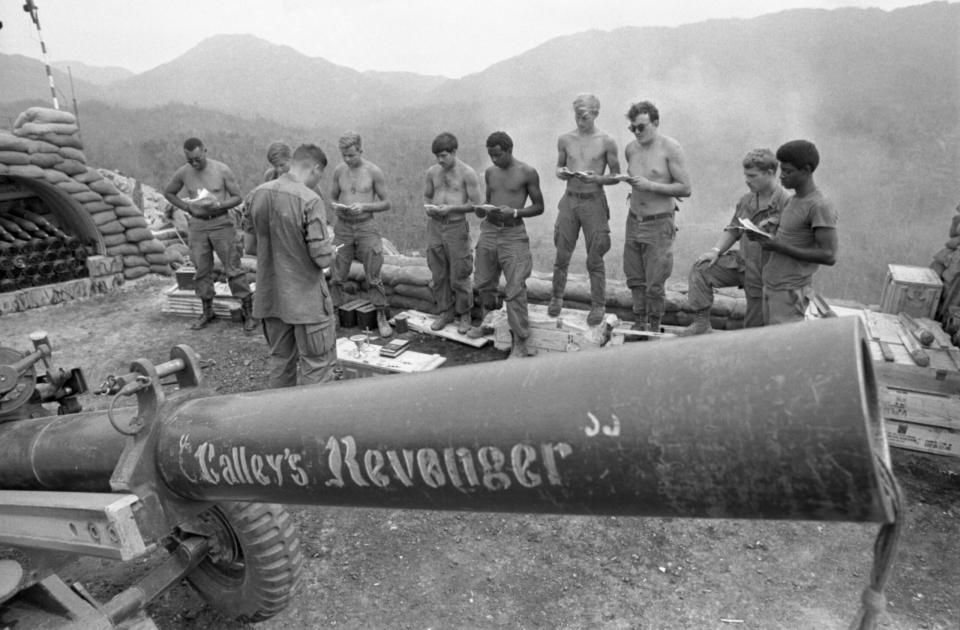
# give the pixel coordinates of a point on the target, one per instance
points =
(25, 78)
(877, 91)
(250, 77)
(93, 74)
(410, 84)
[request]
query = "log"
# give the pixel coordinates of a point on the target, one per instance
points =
(422, 293)
(917, 353)
(924, 336)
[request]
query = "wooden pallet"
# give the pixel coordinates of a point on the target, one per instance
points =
(567, 332)
(421, 322)
(178, 301)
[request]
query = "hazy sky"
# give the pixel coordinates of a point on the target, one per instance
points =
(446, 37)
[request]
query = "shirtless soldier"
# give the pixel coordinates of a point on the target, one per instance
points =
(358, 191)
(504, 244)
(211, 228)
(657, 174)
(452, 190)
(583, 155)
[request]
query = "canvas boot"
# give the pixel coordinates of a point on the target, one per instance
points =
(442, 320)
(653, 323)
(383, 326)
(520, 349)
(700, 326)
(463, 326)
(205, 317)
(475, 332)
(639, 310)
(595, 317)
(556, 305)
(246, 309)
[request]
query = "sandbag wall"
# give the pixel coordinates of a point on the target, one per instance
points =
(407, 281)
(45, 145)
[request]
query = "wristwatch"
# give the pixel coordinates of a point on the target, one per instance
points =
(516, 213)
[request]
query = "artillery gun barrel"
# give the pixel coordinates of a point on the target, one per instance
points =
(773, 423)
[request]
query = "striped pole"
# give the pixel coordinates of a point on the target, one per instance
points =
(31, 7)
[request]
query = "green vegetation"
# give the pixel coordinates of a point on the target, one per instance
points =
(877, 91)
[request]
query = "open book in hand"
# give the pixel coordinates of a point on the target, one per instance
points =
(203, 196)
(750, 226)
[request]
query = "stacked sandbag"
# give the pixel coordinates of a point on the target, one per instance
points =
(176, 249)
(46, 144)
(148, 199)
(408, 284)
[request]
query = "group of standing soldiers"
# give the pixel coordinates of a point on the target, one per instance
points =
(285, 226)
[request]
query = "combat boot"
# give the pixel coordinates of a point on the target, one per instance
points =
(383, 326)
(205, 317)
(653, 323)
(442, 320)
(556, 305)
(463, 326)
(475, 332)
(639, 309)
(700, 326)
(246, 310)
(520, 349)
(595, 317)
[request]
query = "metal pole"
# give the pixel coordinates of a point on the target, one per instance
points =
(772, 423)
(31, 7)
(76, 109)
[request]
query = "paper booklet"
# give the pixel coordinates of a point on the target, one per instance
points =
(750, 226)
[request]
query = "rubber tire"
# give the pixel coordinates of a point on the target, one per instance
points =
(267, 572)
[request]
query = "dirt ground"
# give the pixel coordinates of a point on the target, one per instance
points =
(369, 568)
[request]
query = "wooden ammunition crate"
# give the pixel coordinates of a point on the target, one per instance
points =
(912, 290)
(185, 277)
(368, 362)
(569, 332)
(921, 422)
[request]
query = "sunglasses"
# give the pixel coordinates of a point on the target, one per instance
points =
(640, 127)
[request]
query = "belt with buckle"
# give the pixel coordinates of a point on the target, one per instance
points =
(582, 195)
(651, 217)
(508, 222)
(352, 220)
(446, 220)
(209, 217)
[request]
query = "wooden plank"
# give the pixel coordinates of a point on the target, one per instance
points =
(918, 354)
(179, 301)
(942, 339)
(420, 322)
(916, 378)
(919, 437)
(567, 332)
(648, 334)
(408, 362)
(941, 410)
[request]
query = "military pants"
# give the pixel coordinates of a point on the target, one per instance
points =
(221, 240)
(785, 306)
(310, 349)
(451, 263)
(589, 212)
(506, 250)
(648, 263)
(358, 241)
(728, 271)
